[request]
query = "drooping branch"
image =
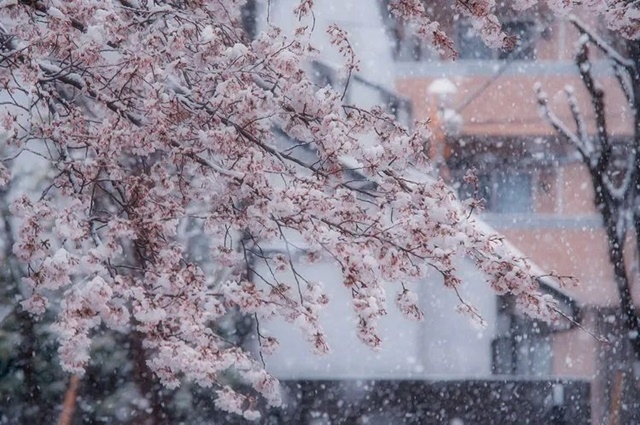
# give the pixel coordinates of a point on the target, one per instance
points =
(177, 118)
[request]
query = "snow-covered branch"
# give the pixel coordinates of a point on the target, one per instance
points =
(615, 186)
(603, 147)
(599, 42)
(581, 126)
(141, 114)
(558, 124)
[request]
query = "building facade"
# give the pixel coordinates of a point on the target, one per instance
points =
(527, 177)
(537, 192)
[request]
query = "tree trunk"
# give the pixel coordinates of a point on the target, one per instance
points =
(69, 404)
(149, 388)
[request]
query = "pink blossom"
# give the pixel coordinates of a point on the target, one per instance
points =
(164, 183)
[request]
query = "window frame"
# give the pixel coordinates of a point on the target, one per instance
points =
(515, 335)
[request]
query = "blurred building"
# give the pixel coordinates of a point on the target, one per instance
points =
(536, 190)
(485, 117)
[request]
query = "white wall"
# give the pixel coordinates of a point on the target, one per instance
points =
(445, 345)
(362, 19)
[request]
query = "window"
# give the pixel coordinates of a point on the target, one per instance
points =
(511, 193)
(471, 46)
(249, 13)
(523, 345)
(407, 47)
(524, 31)
(505, 191)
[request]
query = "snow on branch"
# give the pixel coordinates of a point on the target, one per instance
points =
(614, 186)
(581, 126)
(624, 79)
(558, 124)
(596, 94)
(175, 152)
(605, 47)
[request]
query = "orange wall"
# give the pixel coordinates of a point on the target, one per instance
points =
(508, 106)
(581, 253)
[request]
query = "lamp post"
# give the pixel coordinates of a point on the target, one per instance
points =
(447, 121)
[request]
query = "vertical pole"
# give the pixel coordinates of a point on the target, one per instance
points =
(69, 404)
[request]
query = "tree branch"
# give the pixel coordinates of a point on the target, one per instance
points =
(581, 126)
(597, 100)
(599, 42)
(558, 124)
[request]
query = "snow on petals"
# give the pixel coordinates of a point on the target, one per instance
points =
(82, 309)
(193, 156)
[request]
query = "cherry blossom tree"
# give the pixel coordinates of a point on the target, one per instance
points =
(156, 129)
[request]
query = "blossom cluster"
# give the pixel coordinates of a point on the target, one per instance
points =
(155, 122)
